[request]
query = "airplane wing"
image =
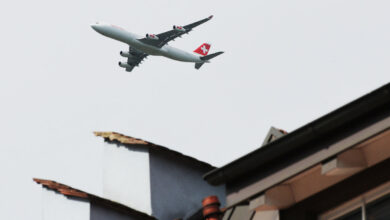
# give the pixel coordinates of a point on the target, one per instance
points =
(165, 37)
(134, 59)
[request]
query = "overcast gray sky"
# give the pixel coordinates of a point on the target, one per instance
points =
(286, 64)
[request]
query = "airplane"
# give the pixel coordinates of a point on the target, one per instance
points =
(155, 44)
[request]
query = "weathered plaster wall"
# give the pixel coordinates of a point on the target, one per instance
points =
(126, 177)
(177, 186)
(56, 206)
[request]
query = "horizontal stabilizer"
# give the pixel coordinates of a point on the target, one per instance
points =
(211, 56)
(206, 58)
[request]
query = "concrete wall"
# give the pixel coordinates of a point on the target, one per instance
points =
(126, 177)
(266, 215)
(56, 206)
(177, 186)
(99, 212)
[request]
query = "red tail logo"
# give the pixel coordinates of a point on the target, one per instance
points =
(203, 49)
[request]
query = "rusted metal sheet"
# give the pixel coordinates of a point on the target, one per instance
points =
(113, 136)
(61, 188)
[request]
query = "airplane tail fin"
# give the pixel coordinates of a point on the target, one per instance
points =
(207, 58)
(203, 49)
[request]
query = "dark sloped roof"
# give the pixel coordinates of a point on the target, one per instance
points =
(75, 193)
(127, 140)
(368, 108)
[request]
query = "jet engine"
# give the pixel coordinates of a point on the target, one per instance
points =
(179, 28)
(151, 36)
(124, 65)
(124, 54)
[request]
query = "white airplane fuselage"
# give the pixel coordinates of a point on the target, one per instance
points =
(131, 39)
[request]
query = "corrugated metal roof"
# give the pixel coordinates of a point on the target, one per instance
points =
(127, 140)
(75, 193)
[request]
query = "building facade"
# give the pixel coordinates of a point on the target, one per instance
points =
(334, 168)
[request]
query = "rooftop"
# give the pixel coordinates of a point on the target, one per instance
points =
(346, 119)
(78, 194)
(114, 137)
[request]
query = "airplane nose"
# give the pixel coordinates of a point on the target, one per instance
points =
(100, 27)
(95, 26)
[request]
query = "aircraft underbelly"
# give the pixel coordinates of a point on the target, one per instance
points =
(179, 55)
(166, 51)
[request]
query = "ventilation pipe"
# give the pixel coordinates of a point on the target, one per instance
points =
(211, 209)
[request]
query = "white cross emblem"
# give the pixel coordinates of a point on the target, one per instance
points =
(204, 49)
